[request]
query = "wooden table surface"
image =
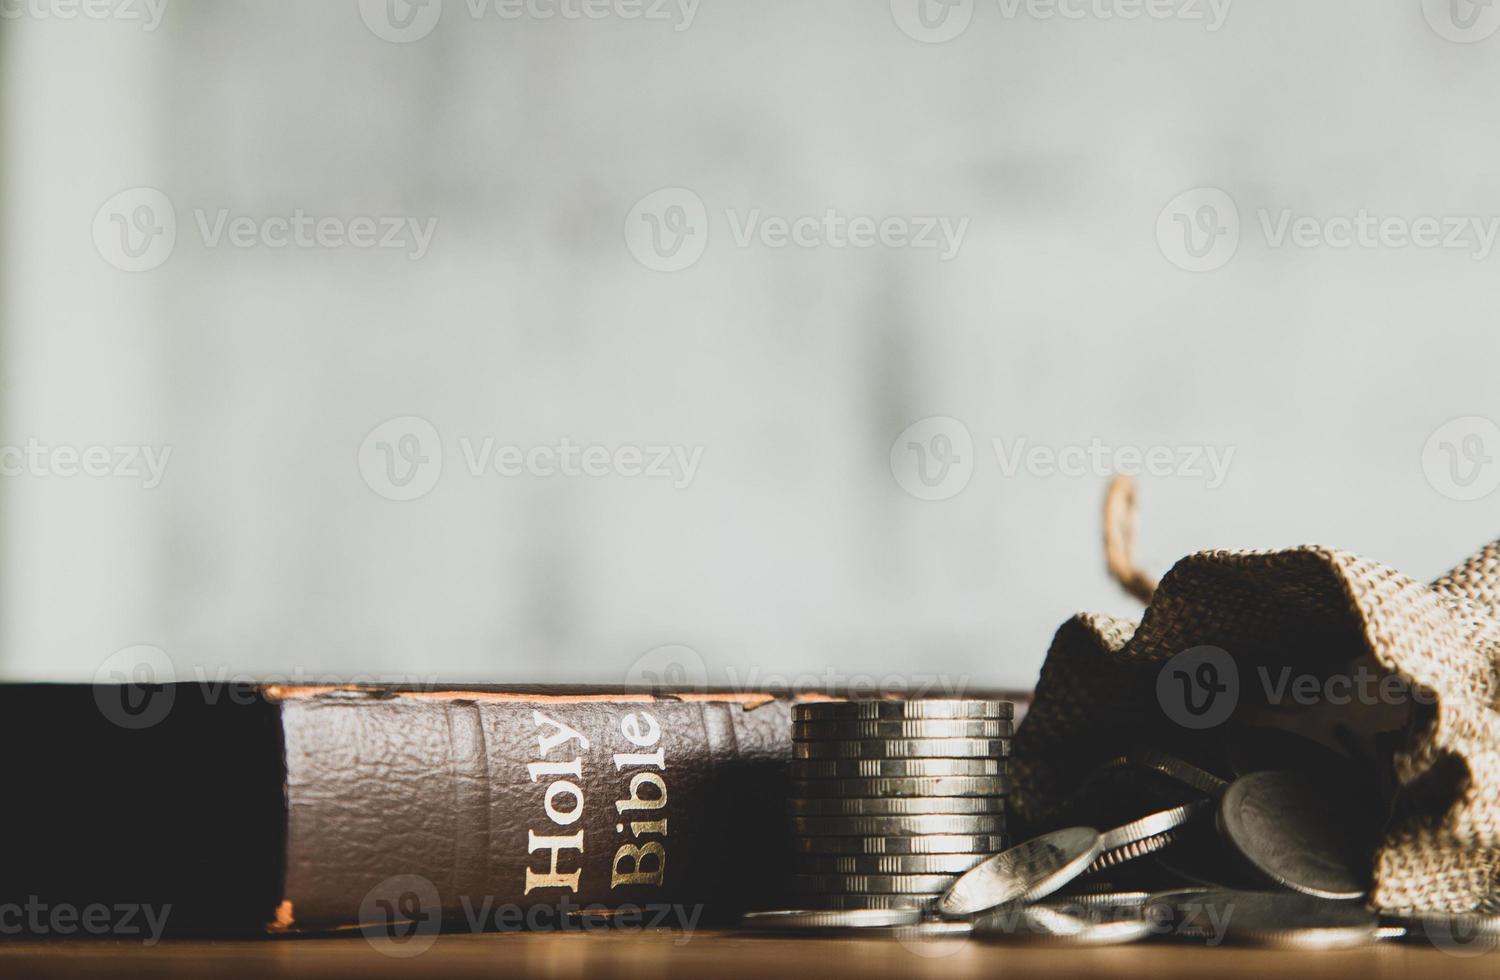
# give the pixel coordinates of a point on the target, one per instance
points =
(658, 955)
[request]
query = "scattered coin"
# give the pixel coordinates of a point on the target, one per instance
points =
(1300, 831)
(1042, 924)
(913, 844)
(1025, 872)
(1099, 900)
(803, 731)
(871, 884)
(1184, 772)
(868, 901)
(834, 710)
(815, 919)
(903, 748)
(927, 823)
(895, 768)
(1467, 931)
(1145, 836)
(1277, 919)
(897, 806)
(888, 864)
(903, 787)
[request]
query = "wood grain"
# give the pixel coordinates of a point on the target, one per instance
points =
(661, 955)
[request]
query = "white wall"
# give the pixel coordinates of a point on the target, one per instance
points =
(1061, 320)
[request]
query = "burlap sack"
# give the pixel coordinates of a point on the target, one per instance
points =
(1318, 611)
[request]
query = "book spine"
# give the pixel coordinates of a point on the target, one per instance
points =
(479, 801)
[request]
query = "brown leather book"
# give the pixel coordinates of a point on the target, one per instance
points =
(315, 809)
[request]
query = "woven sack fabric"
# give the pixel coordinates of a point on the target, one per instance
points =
(1316, 611)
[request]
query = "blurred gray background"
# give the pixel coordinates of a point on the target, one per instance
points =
(1098, 297)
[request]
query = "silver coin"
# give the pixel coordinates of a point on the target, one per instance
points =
(868, 901)
(1145, 836)
(815, 919)
(904, 748)
(912, 844)
(1184, 772)
(1300, 831)
(1098, 900)
(870, 884)
(957, 786)
(926, 823)
(895, 768)
(810, 731)
(1054, 926)
(836, 710)
(1026, 872)
(1277, 919)
(1467, 932)
(888, 864)
(896, 806)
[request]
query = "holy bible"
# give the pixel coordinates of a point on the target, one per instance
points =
(253, 809)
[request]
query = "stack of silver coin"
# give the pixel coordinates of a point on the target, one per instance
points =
(892, 800)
